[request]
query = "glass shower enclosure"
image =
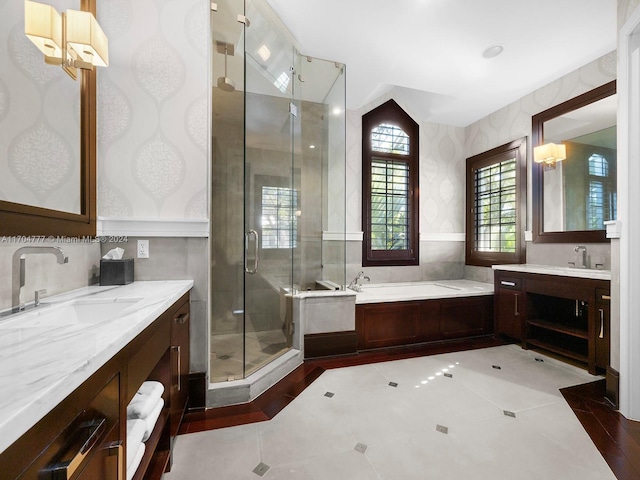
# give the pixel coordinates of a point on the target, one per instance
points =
(271, 156)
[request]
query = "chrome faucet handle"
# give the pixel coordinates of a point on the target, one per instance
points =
(38, 294)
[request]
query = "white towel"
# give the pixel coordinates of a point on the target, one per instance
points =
(151, 419)
(151, 387)
(136, 429)
(131, 470)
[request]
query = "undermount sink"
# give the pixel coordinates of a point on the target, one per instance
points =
(75, 312)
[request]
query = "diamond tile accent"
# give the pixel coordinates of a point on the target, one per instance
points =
(261, 469)
(497, 367)
(393, 384)
(360, 447)
(329, 394)
(448, 375)
(539, 359)
(442, 429)
(509, 414)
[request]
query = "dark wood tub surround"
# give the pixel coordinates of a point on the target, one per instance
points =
(381, 325)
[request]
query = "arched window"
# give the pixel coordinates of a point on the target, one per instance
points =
(390, 154)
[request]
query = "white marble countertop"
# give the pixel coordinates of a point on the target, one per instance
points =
(43, 361)
(556, 270)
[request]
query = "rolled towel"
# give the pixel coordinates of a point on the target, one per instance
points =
(152, 388)
(151, 419)
(136, 429)
(131, 469)
(141, 406)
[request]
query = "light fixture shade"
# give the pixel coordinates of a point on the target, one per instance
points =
(86, 38)
(43, 26)
(549, 153)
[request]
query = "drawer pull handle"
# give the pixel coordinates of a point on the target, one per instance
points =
(515, 308)
(182, 318)
(601, 334)
(606, 297)
(177, 349)
(87, 436)
(507, 284)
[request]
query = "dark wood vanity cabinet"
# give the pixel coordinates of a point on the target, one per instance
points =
(84, 437)
(568, 316)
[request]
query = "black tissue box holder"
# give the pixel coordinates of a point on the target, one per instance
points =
(116, 272)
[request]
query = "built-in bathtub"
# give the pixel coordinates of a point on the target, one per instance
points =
(393, 314)
(407, 291)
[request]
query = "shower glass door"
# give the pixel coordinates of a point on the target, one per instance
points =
(254, 199)
(271, 199)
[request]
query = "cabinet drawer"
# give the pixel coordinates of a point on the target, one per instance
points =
(180, 321)
(509, 283)
(73, 449)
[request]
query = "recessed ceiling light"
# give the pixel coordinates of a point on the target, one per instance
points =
(493, 51)
(312, 146)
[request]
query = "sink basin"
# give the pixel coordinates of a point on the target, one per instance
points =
(75, 312)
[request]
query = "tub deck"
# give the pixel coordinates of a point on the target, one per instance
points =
(408, 291)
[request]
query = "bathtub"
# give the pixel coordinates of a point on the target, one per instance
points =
(407, 291)
(409, 313)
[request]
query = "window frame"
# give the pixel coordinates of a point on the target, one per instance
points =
(392, 114)
(517, 148)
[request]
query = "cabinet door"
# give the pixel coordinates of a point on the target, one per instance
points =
(603, 324)
(509, 307)
(466, 317)
(179, 366)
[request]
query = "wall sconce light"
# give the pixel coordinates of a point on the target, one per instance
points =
(73, 39)
(549, 153)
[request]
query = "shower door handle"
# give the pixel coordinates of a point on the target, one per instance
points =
(253, 270)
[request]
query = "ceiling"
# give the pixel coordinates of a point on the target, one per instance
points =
(428, 53)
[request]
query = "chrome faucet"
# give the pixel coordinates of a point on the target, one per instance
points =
(18, 271)
(581, 256)
(354, 285)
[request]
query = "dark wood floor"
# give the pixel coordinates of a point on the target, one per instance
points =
(617, 438)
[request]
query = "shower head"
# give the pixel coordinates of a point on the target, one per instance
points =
(225, 83)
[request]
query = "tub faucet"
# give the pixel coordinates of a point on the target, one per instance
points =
(354, 285)
(581, 256)
(18, 271)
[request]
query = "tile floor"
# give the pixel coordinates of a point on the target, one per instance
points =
(448, 416)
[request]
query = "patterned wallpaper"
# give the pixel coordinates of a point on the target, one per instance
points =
(153, 109)
(443, 150)
(514, 120)
(39, 120)
(442, 180)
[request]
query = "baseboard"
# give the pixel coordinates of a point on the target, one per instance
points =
(197, 391)
(612, 394)
(330, 344)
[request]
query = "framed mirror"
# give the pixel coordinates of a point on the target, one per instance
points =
(48, 133)
(574, 196)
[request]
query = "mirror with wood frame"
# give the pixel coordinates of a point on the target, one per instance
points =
(48, 131)
(572, 198)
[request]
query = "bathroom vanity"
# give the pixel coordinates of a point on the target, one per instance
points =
(71, 368)
(561, 310)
